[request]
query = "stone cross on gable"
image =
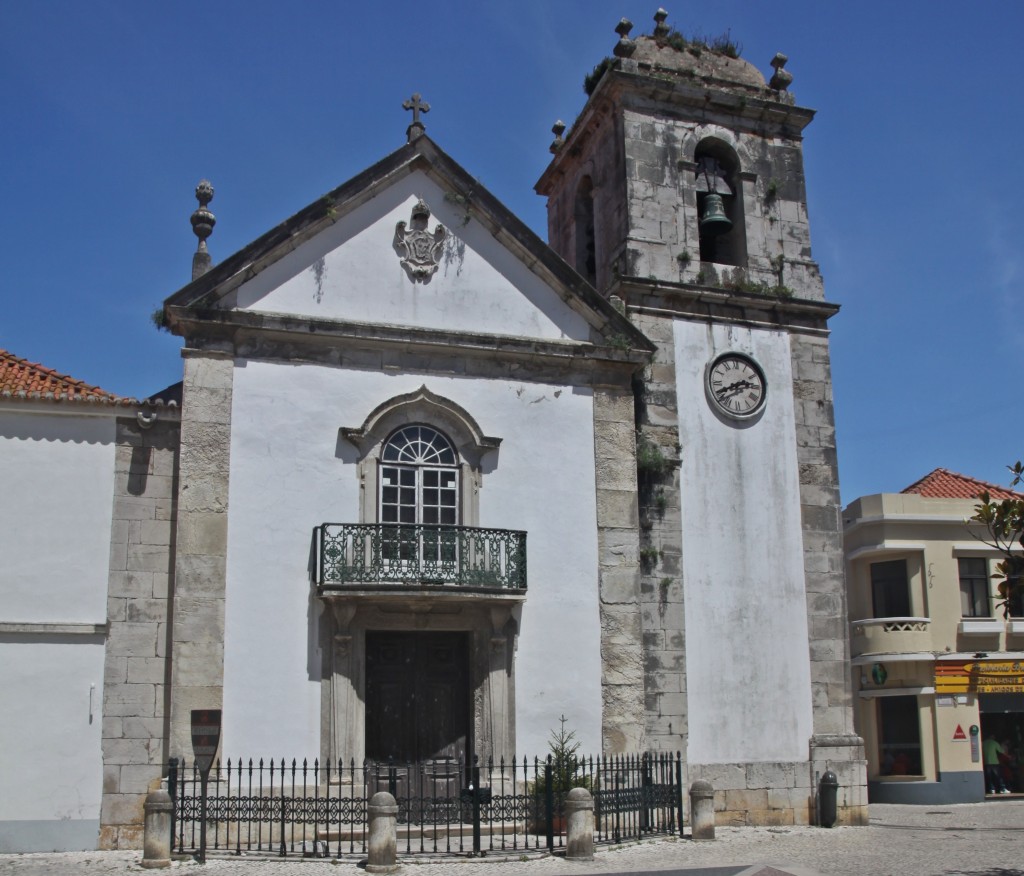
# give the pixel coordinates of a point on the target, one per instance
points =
(417, 105)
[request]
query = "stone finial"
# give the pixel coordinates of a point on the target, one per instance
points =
(625, 46)
(781, 79)
(417, 129)
(558, 128)
(202, 226)
(660, 28)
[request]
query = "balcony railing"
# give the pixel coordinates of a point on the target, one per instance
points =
(354, 554)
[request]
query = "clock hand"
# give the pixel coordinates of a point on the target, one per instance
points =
(734, 388)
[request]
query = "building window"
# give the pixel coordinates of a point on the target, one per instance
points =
(890, 590)
(419, 478)
(586, 245)
(899, 737)
(974, 587)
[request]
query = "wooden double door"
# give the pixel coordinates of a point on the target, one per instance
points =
(417, 713)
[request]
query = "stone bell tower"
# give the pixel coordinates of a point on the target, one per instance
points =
(679, 193)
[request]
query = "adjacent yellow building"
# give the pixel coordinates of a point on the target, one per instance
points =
(936, 667)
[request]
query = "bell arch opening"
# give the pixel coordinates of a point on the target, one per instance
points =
(721, 226)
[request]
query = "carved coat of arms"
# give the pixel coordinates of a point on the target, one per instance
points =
(419, 250)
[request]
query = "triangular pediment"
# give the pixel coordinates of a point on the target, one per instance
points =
(365, 254)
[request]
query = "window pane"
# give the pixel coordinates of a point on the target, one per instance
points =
(417, 490)
(899, 736)
(890, 591)
(973, 587)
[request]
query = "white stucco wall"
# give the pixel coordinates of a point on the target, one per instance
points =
(290, 471)
(52, 772)
(352, 272)
(748, 665)
(56, 499)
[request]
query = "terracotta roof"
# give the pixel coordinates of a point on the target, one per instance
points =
(20, 378)
(945, 484)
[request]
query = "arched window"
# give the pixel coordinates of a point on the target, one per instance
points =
(722, 231)
(419, 478)
(586, 251)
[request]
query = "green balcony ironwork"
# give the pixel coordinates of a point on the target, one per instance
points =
(368, 554)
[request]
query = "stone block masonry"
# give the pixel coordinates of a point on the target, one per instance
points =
(136, 672)
(197, 671)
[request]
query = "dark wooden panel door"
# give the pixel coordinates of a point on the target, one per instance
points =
(417, 711)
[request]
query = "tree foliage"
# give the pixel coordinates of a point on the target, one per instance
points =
(1003, 521)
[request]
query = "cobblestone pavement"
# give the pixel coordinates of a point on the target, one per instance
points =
(976, 839)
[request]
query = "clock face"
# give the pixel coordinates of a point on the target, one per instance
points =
(736, 385)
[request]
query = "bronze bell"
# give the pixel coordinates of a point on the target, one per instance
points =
(714, 220)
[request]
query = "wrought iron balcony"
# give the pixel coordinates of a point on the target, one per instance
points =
(371, 554)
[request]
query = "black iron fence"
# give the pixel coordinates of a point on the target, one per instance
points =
(445, 807)
(399, 553)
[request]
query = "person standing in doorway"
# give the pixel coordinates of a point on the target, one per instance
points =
(991, 748)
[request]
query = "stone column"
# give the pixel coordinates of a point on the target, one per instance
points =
(197, 649)
(834, 744)
(622, 673)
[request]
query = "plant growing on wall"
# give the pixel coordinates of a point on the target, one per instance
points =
(1003, 522)
(594, 76)
(651, 461)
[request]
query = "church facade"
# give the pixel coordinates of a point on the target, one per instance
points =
(437, 483)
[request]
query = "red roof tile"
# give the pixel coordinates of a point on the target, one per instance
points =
(945, 484)
(20, 378)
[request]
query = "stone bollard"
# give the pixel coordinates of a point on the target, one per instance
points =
(702, 811)
(156, 836)
(382, 844)
(579, 813)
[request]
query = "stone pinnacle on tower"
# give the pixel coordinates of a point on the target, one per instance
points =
(202, 225)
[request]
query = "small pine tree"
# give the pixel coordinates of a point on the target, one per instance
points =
(563, 745)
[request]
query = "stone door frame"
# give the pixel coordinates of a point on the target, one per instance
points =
(492, 624)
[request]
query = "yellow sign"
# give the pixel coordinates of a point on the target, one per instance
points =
(955, 677)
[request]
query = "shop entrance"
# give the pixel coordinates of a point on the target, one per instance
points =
(1002, 717)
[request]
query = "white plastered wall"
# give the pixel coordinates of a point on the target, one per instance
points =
(56, 494)
(290, 471)
(57, 477)
(52, 772)
(352, 272)
(748, 665)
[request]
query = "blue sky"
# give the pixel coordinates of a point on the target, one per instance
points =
(112, 111)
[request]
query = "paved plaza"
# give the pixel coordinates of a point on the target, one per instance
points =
(977, 839)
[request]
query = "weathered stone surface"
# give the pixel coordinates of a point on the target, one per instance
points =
(203, 534)
(199, 664)
(146, 670)
(132, 640)
(144, 610)
(131, 751)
